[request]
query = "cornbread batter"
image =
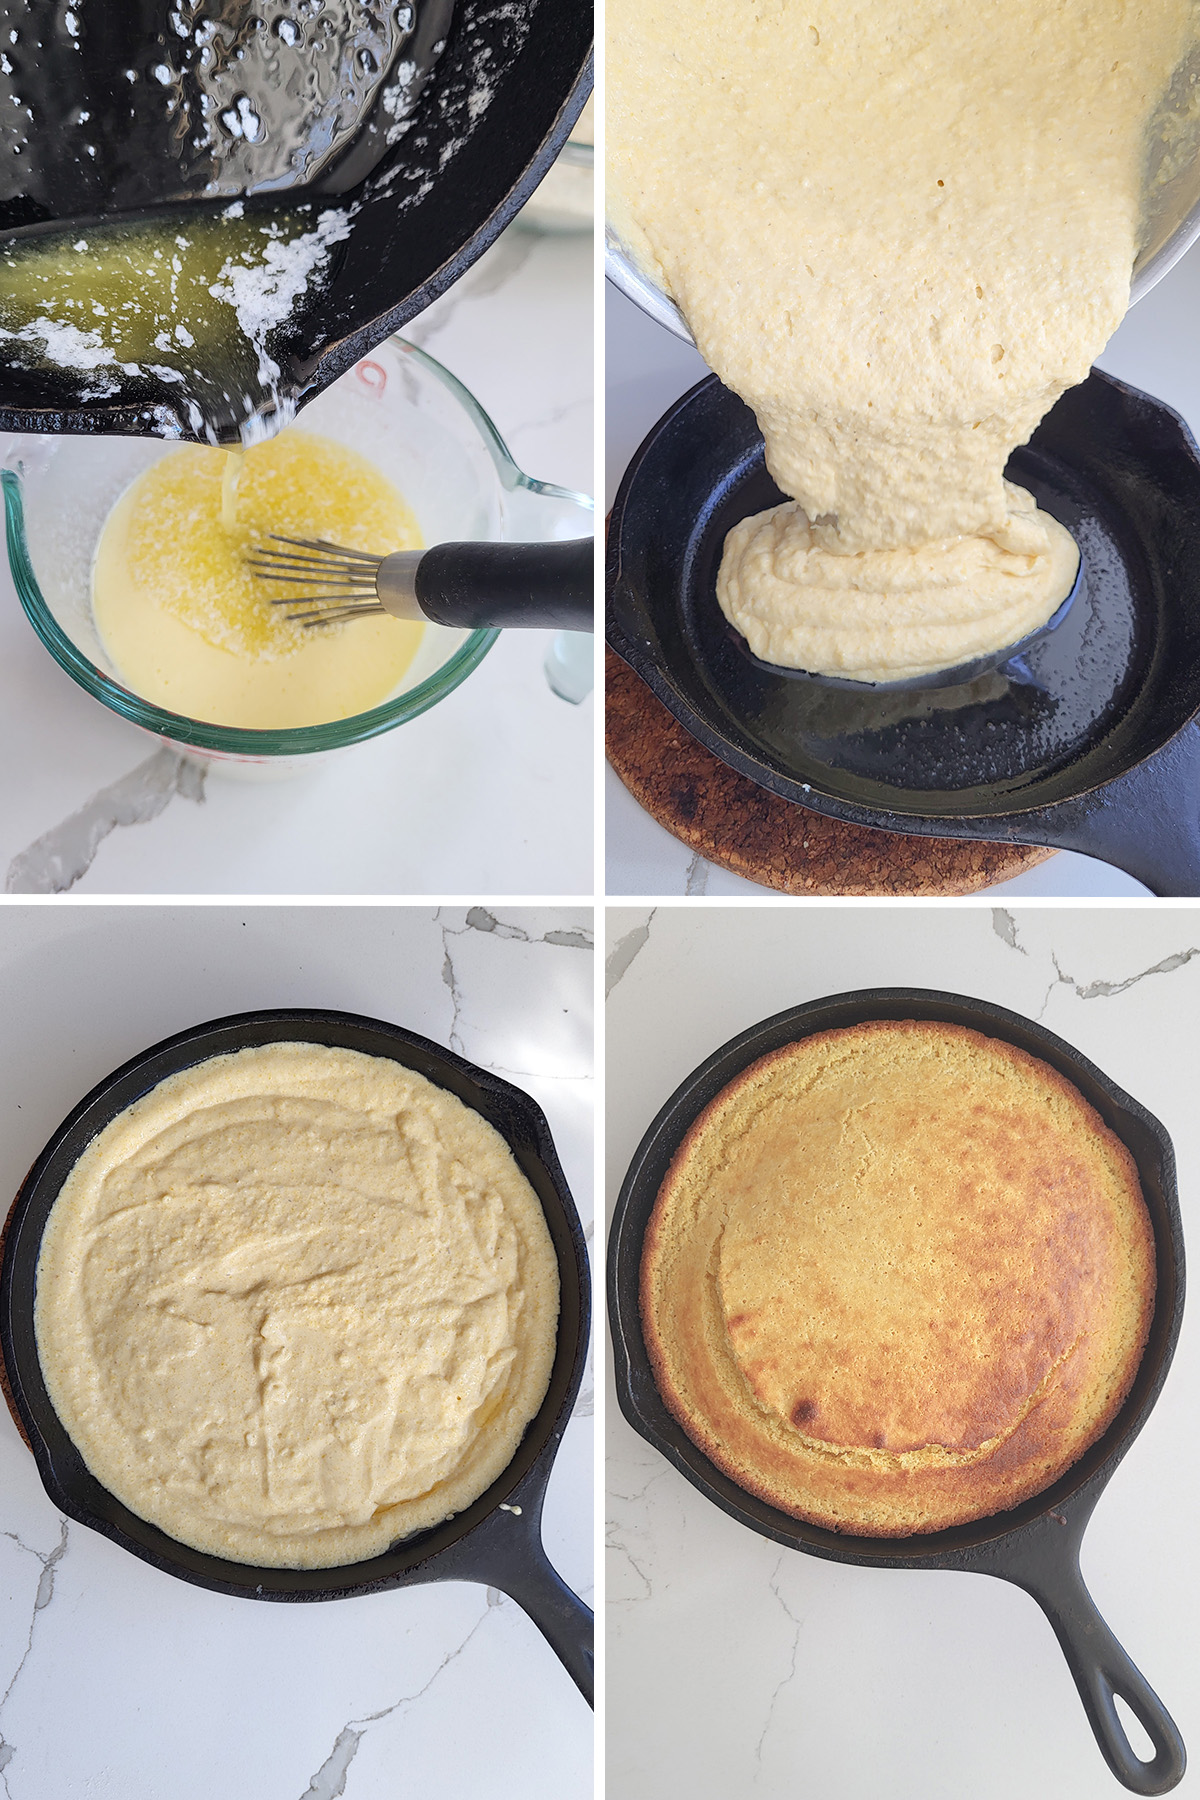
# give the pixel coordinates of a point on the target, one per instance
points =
(296, 1303)
(899, 232)
(187, 625)
(898, 1276)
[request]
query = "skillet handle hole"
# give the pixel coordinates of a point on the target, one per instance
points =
(1140, 1741)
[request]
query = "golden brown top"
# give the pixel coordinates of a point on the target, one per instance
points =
(898, 1276)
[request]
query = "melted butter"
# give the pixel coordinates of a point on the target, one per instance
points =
(899, 233)
(188, 303)
(189, 628)
(231, 474)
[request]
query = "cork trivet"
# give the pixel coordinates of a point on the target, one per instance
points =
(739, 826)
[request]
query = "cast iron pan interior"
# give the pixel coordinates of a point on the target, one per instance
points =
(1036, 1545)
(1088, 747)
(484, 1544)
(427, 208)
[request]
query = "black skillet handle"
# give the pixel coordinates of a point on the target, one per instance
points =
(482, 585)
(1047, 1567)
(505, 1551)
(1146, 822)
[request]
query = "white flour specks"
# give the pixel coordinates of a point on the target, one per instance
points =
(68, 346)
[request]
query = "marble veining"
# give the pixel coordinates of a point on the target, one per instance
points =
(43, 1595)
(624, 950)
(1004, 924)
(785, 1680)
(330, 1779)
(62, 856)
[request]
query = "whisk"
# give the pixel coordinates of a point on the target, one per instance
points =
(465, 585)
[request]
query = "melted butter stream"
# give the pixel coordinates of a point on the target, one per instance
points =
(189, 628)
(899, 233)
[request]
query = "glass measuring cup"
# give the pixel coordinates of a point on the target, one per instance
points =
(400, 408)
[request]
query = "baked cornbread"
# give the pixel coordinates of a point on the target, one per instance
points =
(296, 1303)
(898, 1276)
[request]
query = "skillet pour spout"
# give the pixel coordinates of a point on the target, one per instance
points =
(1092, 746)
(496, 1541)
(1035, 1546)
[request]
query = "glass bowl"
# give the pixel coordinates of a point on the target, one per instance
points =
(412, 418)
(565, 199)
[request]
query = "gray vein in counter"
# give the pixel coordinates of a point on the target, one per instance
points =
(1104, 990)
(508, 1073)
(451, 981)
(773, 1584)
(623, 952)
(545, 421)
(506, 258)
(656, 1474)
(62, 856)
(1005, 928)
(621, 1535)
(696, 880)
(42, 1599)
(330, 1779)
(613, 1542)
(480, 919)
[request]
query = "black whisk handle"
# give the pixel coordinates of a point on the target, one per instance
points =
(482, 585)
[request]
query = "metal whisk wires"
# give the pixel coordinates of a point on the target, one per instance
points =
(347, 578)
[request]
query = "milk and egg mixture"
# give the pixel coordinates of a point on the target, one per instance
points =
(899, 232)
(190, 628)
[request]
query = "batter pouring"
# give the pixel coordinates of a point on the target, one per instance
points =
(900, 233)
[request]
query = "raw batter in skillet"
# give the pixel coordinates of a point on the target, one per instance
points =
(899, 232)
(296, 1303)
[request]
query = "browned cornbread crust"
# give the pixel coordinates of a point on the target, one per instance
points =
(898, 1277)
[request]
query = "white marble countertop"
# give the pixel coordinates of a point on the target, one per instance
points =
(646, 369)
(737, 1668)
(119, 1681)
(488, 792)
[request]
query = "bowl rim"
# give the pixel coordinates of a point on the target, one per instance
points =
(66, 1478)
(268, 742)
(627, 275)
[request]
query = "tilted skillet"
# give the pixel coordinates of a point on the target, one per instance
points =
(426, 205)
(1035, 1545)
(496, 1540)
(1093, 746)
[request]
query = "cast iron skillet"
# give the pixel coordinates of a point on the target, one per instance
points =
(501, 1548)
(1094, 748)
(426, 209)
(1036, 1545)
